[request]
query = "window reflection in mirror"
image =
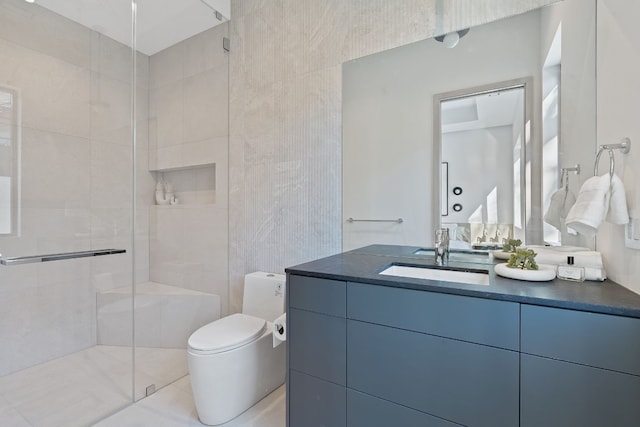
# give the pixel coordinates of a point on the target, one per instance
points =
(8, 161)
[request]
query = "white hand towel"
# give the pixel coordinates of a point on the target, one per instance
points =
(632, 184)
(618, 213)
(591, 206)
(559, 206)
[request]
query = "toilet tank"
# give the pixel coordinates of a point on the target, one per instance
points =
(264, 295)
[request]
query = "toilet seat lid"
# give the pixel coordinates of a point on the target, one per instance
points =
(227, 333)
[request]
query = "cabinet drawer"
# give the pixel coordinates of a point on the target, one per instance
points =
(477, 320)
(315, 403)
(600, 340)
(317, 345)
(319, 295)
(466, 383)
(368, 411)
(559, 394)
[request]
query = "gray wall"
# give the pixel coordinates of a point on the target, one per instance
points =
(618, 91)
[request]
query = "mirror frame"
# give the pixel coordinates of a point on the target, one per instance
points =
(525, 149)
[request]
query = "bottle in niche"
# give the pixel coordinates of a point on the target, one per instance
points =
(570, 272)
(161, 198)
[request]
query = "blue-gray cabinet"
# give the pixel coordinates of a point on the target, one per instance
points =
(368, 411)
(417, 357)
(579, 369)
(471, 384)
(370, 355)
(316, 352)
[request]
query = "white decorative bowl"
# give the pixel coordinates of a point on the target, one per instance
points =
(544, 273)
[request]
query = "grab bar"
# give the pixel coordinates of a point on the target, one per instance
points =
(58, 257)
(399, 220)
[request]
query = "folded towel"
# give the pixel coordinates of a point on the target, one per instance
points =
(591, 206)
(617, 213)
(597, 274)
(561, 249)
(590, 260)
(561, 202)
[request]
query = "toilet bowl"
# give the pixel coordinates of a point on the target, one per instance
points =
(232, 361)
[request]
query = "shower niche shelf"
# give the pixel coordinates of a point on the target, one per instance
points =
(192, 186)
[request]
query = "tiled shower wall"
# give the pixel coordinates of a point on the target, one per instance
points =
(285, 114)
(74, 91)
(188, 139)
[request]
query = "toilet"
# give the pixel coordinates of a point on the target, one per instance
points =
(232, 362)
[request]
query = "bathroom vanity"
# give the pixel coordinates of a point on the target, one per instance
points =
(366, 349)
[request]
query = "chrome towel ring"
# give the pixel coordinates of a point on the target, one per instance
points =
(624, 146)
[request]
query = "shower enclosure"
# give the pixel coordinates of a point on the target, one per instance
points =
(113, 200)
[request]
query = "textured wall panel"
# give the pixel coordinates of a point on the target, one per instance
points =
(285, 115)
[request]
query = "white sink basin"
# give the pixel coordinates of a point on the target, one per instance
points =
(454, 276)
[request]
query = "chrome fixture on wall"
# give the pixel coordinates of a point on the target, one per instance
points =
(624, 146)
(451, 39)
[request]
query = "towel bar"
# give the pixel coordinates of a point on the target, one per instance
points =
(58, 257)
(399, 220)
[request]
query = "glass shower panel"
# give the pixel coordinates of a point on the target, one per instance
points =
(66, 165)
(182, 88)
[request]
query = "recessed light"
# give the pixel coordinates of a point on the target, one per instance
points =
(30, 1)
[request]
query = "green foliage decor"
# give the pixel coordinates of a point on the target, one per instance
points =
(523, 259)
(512, 245)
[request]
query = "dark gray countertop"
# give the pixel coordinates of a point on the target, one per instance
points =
(363, 265)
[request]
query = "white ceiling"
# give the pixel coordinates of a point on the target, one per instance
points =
(159, 24)
(487, 110)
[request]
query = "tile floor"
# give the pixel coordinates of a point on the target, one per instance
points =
(95, 383)
(173, 406)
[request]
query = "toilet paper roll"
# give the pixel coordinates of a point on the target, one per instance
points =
(280, 330)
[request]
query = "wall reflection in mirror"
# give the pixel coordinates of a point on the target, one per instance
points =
(504, 110)
(8, 161)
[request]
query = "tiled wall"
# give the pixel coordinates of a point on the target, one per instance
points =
(188, 129)
(285, 115)
(74, 87)
(189, 111)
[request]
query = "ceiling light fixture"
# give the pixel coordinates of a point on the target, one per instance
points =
(30, 1)
(451, 39)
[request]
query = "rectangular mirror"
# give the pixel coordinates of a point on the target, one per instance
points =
(393, 151)
(479, 134)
